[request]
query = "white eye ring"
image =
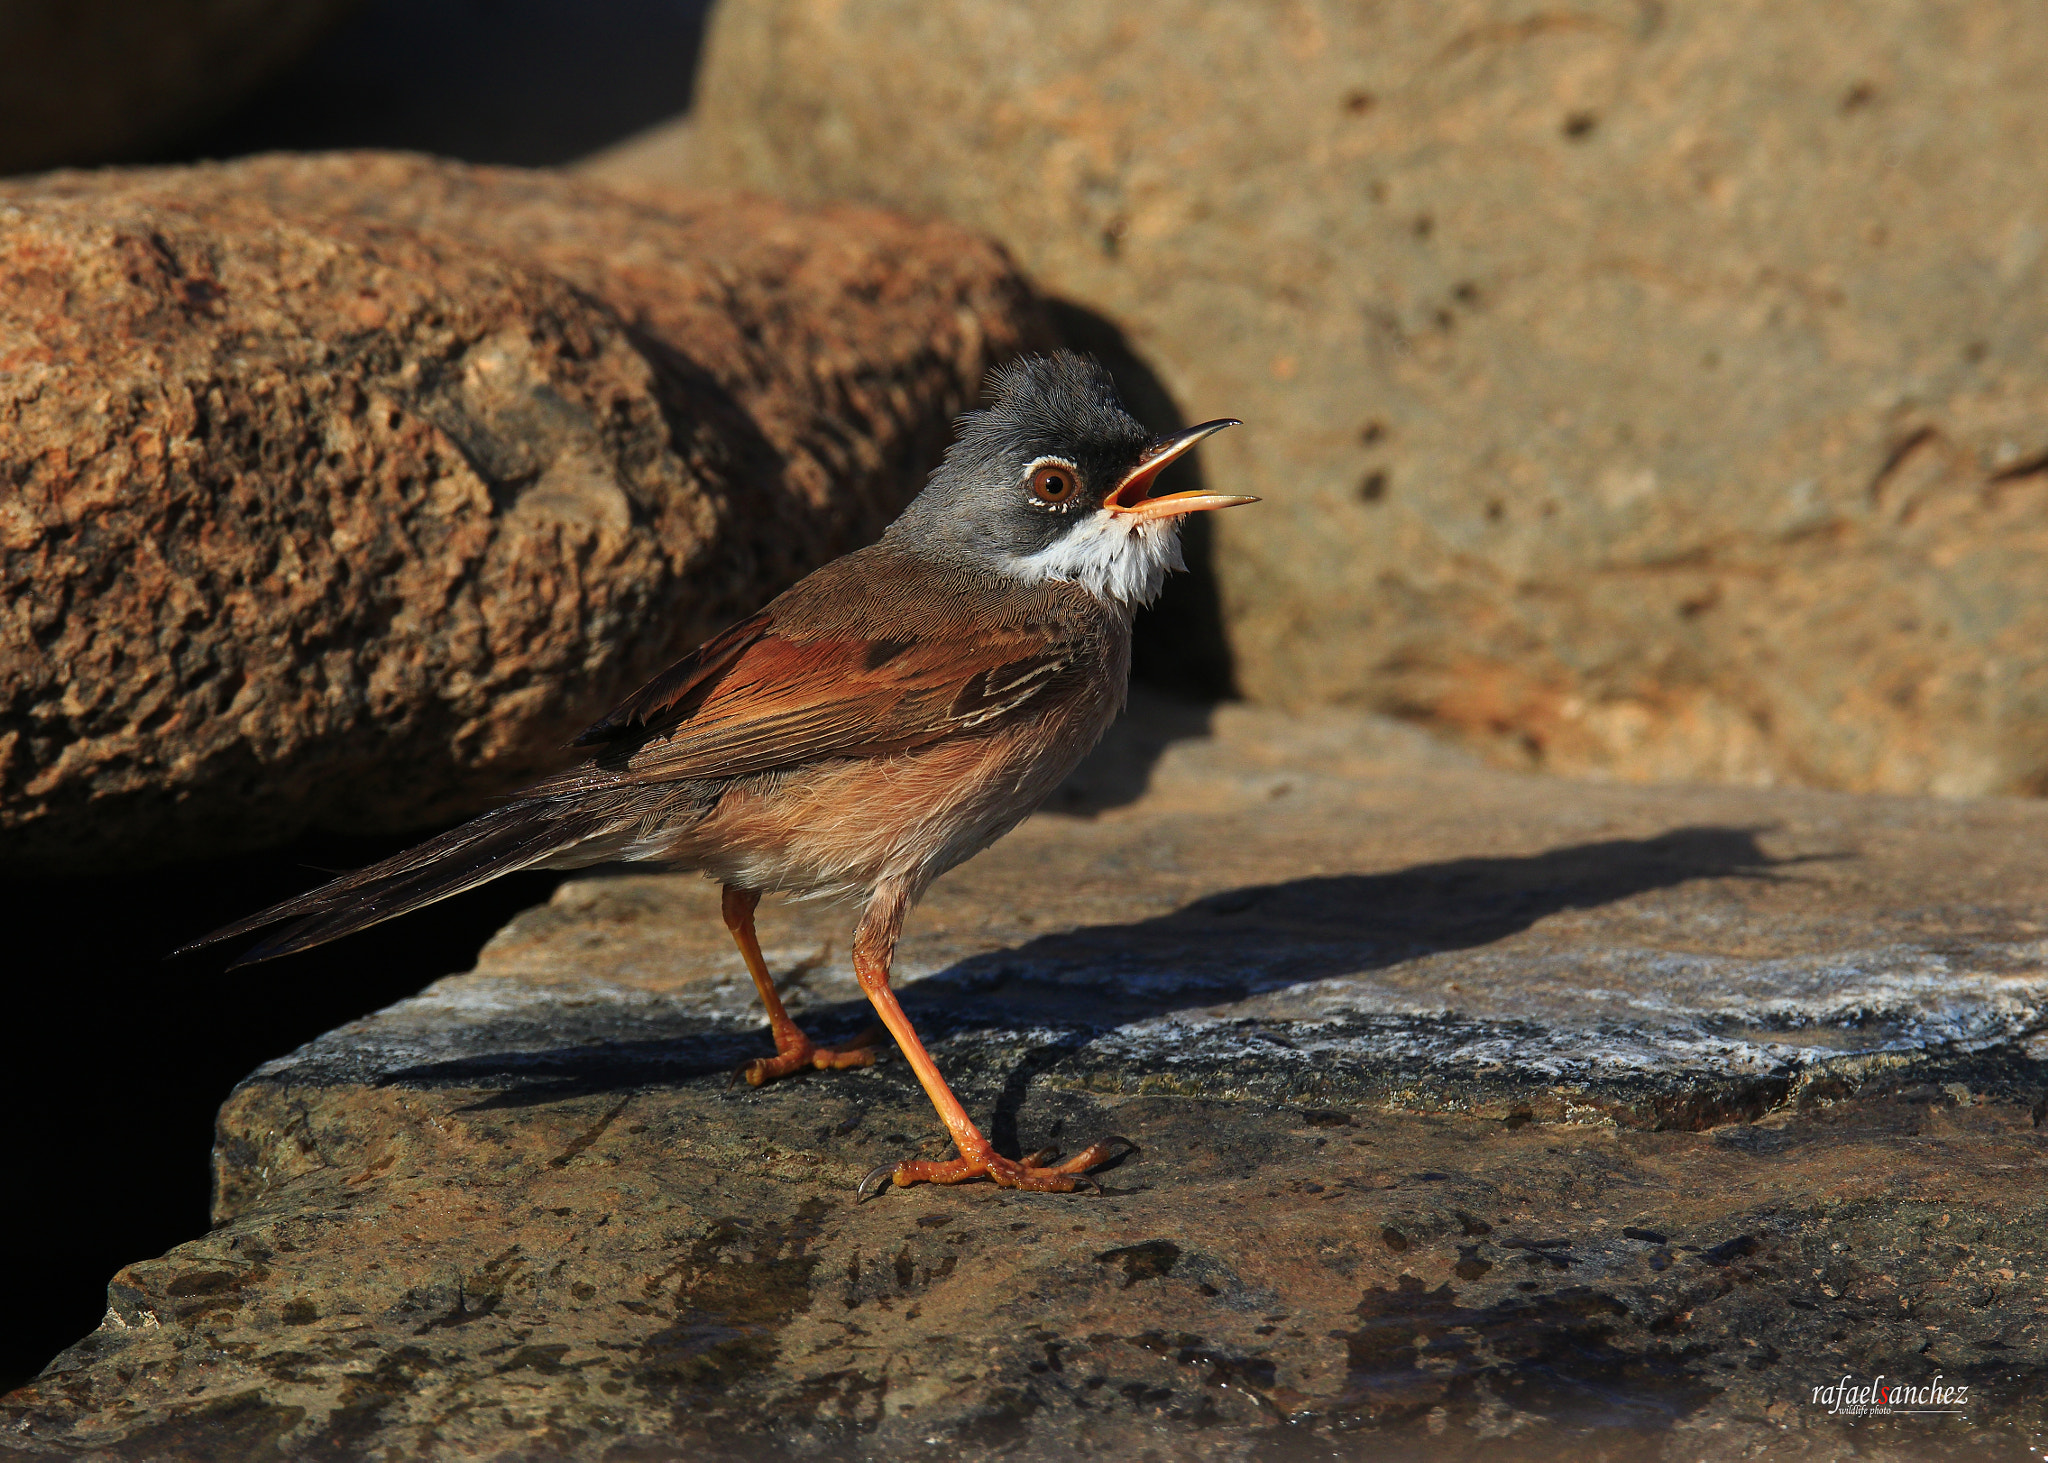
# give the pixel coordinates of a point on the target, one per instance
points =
(1050, 494)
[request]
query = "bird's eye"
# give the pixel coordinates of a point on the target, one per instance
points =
(1054, 483)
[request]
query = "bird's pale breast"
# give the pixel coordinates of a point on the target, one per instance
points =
(842, 827)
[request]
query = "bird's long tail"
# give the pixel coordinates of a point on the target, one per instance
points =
(517, 836)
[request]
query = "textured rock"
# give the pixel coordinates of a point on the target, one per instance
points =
(338, 491)
(1649, 388)
(1477, 1111)
(82, 81)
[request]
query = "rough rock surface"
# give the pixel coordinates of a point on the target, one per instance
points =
(337, 491)
(82, 81)
(1642, 387)
(1481, 1116)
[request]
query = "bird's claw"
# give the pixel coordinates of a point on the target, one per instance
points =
(1036, 1172)
(801, 1054)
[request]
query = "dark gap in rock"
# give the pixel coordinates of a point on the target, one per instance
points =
(532, 83)
(120, 1059)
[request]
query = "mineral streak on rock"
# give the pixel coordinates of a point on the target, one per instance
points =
(1637, 387)
(339, 491)
(1472, 1107)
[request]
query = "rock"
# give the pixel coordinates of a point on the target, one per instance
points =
(1471, 1105)
(83, 81)
(1635, 388)
(340, 491)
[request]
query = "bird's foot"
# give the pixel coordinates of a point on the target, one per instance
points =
(794, 1056)
(1040, 1172)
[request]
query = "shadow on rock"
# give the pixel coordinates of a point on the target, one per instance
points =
(1179, 644)
(1268, 937)
(1085, 982)
(531, 83)
(1120, 769)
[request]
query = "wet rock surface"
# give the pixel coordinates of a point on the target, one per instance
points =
(1478, 1115)
(1636, 387)
(340, 491)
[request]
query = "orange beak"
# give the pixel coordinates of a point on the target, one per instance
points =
(1130, 497)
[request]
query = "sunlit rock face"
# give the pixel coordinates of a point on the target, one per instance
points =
(341, 491)
(1644, 388)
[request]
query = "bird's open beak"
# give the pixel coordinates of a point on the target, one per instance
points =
(1130, 498)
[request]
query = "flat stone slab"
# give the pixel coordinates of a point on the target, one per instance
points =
(1475, 1110)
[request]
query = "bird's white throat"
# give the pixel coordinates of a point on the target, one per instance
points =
(1114, 557)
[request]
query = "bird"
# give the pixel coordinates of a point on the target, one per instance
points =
(887, 717)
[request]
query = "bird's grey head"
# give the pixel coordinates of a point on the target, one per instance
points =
(1052, 481)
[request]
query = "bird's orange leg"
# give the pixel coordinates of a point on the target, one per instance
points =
(793, 1050)
(874, 947)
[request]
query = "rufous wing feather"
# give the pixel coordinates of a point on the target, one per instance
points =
(781, 702)
(669, 695)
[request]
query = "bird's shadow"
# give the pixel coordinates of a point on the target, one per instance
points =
(1220, 948)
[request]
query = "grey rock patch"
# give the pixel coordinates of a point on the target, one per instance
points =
(1608, 940)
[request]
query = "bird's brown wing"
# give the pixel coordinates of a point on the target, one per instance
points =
(670, 696)
(775, 701)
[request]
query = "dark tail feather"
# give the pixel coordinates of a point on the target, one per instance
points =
(502, 841)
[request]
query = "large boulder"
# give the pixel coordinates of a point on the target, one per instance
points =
(339, 491)
(1641, 388)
